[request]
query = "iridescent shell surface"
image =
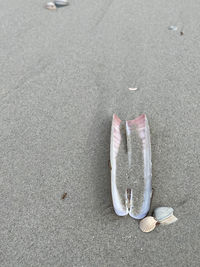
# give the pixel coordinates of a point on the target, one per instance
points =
(124, 202)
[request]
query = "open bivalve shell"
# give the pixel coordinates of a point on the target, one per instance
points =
(130, 158)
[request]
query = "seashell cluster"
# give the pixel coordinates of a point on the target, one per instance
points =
(129, 140)
(57, 3)
(162, 215)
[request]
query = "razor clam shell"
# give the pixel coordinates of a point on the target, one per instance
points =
(61, 2)
(142, 127)
(163, 213)
(122, 205)
(119, 205)
(148, 224)
(169, 220)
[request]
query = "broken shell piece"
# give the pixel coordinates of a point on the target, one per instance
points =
(169, 220)
(50, 6)
(164, 215)
(130, 157)
(148, 224)
(61, 3)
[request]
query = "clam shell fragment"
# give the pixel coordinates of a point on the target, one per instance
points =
(172, 28)
(130, 157)
(61, 3)
(169, 220)
(164, 215)
(148, 224)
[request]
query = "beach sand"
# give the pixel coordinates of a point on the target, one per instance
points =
(63, 75)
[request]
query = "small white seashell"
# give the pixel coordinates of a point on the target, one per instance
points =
(162, 213)
(169, 220)
(50, 6)
(61, 2)
(148, 224)
(172, 28)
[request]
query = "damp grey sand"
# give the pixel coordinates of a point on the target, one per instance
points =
(63, 74)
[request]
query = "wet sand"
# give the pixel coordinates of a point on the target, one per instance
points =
(63, 75)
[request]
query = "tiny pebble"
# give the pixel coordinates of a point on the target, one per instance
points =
(64, 195)
(172, 28)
